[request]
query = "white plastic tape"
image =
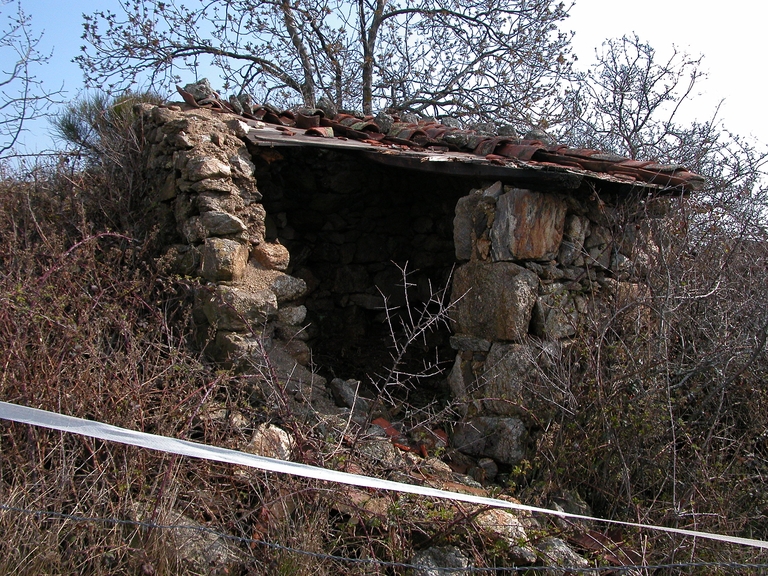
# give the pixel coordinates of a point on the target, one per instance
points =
(111, 433)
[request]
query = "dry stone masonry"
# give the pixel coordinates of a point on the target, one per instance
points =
(535, 266)
(247, 309)
(297, 252)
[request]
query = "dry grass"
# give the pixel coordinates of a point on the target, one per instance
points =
(668, 392)
(88, 328)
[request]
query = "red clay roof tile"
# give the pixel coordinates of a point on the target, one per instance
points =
(436, 137)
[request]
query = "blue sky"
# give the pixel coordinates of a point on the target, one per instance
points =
(730, 40)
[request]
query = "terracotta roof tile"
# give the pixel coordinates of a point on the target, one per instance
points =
(430, 136)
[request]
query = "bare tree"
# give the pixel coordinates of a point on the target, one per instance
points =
(22, 95)
(628, 101)
(669, 379)
(490, 60)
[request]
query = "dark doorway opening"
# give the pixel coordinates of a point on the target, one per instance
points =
(375, 246)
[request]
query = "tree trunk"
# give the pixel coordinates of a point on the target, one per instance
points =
(308, 86)
(369, 45)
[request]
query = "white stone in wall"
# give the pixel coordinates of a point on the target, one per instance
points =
(241, 163)
(239, 127)
(203, 167)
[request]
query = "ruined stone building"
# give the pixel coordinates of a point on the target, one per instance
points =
(321, 241)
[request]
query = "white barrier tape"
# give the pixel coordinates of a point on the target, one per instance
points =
(111, 433)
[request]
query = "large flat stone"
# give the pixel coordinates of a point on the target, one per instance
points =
(494, 300)
(528, 226)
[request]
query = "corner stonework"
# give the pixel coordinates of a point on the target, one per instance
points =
(246, 306)
(535, 264)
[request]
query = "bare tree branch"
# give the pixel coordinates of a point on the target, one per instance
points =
(501, 59)
(22, 95)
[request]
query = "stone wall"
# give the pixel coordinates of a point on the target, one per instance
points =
(248, 311)
(536, 267)
(294, 274)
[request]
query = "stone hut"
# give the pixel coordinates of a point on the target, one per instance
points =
(316, 238)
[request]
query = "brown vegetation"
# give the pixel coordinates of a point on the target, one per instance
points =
(88, 328)
(667, 414)
(661, 412)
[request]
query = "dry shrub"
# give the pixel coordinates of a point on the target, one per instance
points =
(88, 328)
(671, 406)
